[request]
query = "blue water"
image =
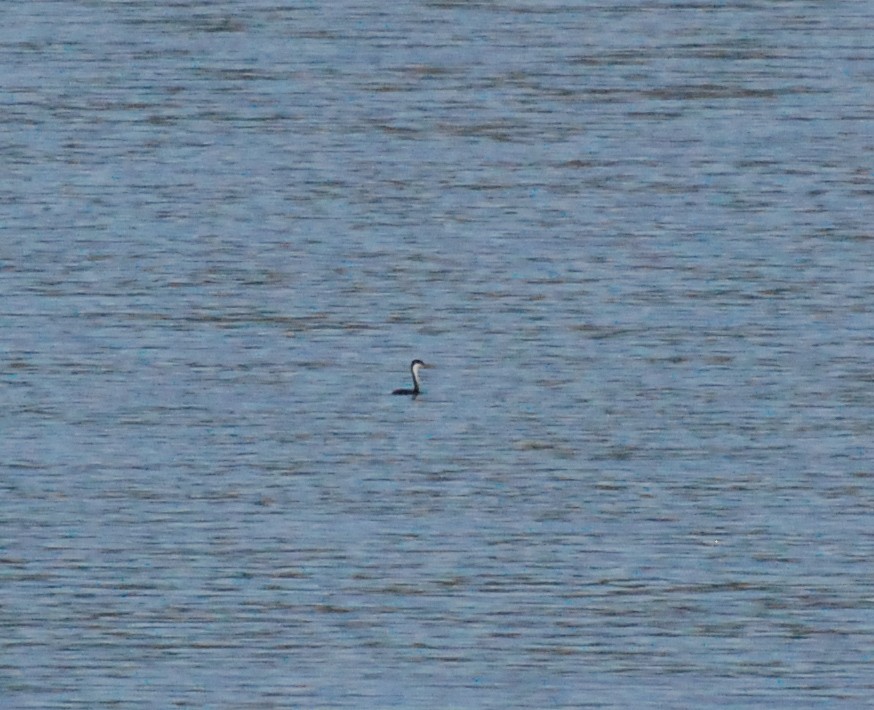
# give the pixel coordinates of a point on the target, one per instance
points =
(635, 241)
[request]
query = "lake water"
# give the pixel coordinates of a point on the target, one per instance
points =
(634, 238)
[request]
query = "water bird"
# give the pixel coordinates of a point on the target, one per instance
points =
(415, 366)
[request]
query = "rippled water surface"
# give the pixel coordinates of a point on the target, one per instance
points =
(634, 238)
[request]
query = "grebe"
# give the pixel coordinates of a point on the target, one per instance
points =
(415, 366)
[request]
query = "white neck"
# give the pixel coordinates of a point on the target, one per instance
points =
(415, 368)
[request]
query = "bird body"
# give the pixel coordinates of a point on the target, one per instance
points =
(415, 366)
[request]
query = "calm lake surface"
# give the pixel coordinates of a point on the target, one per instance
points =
(634, 238)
